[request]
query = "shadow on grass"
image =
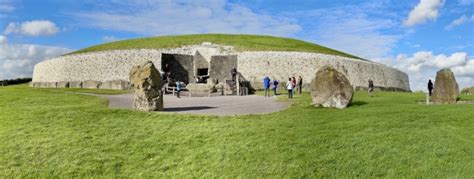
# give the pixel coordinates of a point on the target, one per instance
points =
(357, 104)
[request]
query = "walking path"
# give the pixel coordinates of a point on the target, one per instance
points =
(218, 105)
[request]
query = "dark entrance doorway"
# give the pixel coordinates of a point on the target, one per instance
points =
(179, 66)
(203, 75)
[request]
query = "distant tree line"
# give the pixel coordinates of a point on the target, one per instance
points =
(14, 81)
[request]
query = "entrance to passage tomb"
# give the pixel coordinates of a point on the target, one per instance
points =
(187, 68)
(204, 73)
(179, 66)
(221, 66)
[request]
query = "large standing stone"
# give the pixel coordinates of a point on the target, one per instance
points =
(146, 82)
(446, 89)
(330, 88)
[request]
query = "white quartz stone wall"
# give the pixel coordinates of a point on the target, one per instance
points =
(115, 65)
(281, 65)
(112, 65)
(99, 66)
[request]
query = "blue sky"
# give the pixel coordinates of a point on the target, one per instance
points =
(416, 36)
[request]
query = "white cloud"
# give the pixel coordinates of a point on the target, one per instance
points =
(32, 28)
(368, 31)
(358, 36)
(423, 65)
(18, 60)
(466, 70)
(185, 17)
(425, 59)
(425, 10)
(3, 39)
(459, 21)
(110, 38)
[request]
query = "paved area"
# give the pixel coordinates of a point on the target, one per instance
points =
(216, 105)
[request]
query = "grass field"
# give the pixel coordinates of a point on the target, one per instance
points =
(48, 133)
(240, 42)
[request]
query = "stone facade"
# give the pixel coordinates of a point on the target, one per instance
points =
(281, 65)
(115, 65)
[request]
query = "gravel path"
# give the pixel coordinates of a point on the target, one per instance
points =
(219, 105)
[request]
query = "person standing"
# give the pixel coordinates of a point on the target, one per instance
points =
(233, 72)
(266, 85)
(275, 87)
(300, 84)
(293, 80)
(167, 71)
(178, 88)
(289, 87)
(430, 87)
(371, 87)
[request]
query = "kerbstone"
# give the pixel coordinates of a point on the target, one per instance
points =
(75, 84)
(91, 84)
(115, 84)
(146, 82)
(63, 84)
(330, 88)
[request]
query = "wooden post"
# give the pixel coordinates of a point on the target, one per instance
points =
(427, 98)
(238, 84)
(225, 86)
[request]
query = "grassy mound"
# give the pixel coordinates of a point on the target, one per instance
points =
(240, 42)
(49, 133)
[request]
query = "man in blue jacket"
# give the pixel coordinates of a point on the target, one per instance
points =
(178, 88)
(266, 85)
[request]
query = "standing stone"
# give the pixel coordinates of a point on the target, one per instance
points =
(446, 89)
(330, 88)
(146, 82)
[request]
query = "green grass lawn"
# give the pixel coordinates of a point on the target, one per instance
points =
(50, 133)
(240, 42)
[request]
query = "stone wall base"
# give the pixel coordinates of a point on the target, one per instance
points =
(89, 84)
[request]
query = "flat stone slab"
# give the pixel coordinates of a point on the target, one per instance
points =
(218, 105)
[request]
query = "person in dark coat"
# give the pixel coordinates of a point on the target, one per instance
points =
(275, 87)
(371, 87)
(234, 74)
(430, 87)
(300, 84)
(293, 80)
